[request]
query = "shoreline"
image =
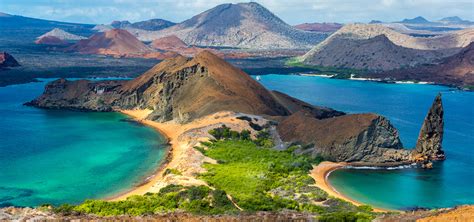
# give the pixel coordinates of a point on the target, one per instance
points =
(320, 173)
(181, 156)
(172, 131)
(149, 181)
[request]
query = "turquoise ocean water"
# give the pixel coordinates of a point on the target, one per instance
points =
(51, 156)
(450, 183)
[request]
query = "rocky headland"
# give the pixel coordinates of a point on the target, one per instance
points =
(184, 89)
(185, 98)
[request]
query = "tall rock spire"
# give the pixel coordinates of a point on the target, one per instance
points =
(429, 144)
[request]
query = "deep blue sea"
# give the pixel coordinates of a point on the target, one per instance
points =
(450, 183)
(52, 156)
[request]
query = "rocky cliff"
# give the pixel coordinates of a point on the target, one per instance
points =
(184, 89)
(368, 139)
(430, 140)
(179, 89)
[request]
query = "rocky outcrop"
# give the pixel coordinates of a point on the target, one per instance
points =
(179, 89)
(366, 138)
(429, 144)
(184, 89)
(6, 60)
(81, 95)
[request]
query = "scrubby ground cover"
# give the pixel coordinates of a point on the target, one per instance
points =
(249, 176)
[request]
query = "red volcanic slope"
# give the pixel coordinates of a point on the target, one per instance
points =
(168, 43)
(112, 42)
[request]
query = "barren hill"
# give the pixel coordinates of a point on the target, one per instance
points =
(456, 70)
(377, 53)
(112, 42)
(456, 39)
(168, 43)
(376, 47)
(243, 25)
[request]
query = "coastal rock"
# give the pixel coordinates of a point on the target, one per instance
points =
(180, 89)
(348, 138)
(184, 89)
(6, 60)
(429, 144)
(81, 95)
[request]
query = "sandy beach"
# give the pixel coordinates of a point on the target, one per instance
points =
(181, 156)
(320, 174)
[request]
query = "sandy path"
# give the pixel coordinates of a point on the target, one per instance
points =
(320, 174)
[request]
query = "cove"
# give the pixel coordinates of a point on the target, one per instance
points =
(57, 156)
(450, 183)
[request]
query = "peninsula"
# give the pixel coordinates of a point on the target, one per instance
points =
(205, 105)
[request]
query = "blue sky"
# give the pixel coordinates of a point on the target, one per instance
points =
(298, 11)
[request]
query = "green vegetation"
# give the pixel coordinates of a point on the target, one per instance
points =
(257, 177)
(262, 179)
(336, 72)
(194, 199)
